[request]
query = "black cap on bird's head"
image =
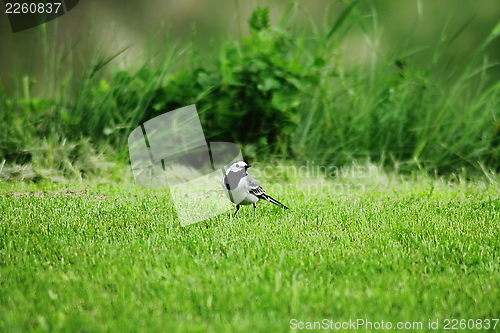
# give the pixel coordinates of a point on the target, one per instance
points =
(238, 166)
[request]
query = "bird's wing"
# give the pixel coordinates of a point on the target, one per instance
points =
(258, 191)
(254, 187)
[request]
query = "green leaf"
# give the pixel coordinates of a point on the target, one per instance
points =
(495, 33)
(285, 99)
(270, 83)
(319, 62)
(259, 20)
(341, 19)
(103, 62)
(496, 30)
(68, 117)
(39, 105)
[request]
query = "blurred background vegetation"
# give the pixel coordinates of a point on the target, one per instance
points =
(412, 84)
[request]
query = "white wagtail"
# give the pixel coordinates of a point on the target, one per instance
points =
(242, 189)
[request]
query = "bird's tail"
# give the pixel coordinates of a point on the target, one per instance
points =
(274, 201)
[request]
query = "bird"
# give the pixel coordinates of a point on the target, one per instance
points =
(242, 189)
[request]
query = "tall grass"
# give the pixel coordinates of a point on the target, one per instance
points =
(412, 117)
(398, 112)
(277, 93)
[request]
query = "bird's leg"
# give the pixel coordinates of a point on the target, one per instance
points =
(254, 210)
(237, 209)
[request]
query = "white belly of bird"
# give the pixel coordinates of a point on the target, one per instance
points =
(240, 195)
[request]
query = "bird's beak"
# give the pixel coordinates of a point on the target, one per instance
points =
(248, 166)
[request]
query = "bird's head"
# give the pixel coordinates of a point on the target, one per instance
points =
(239, 166)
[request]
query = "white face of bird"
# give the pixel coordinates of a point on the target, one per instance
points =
(238, 167)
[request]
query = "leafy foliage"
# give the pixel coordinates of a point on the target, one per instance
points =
(259, 20)
(251, 96)
(276, 93)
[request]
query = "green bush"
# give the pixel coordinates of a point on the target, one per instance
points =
(250, 96)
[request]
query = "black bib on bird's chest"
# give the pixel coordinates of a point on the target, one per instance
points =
(232, 179)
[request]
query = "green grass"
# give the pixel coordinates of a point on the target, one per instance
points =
(112, 258)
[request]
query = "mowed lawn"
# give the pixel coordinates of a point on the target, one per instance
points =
(112, 259)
